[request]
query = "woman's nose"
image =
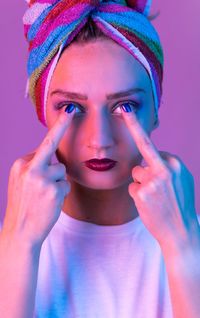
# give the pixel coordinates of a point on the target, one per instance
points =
(99, 131)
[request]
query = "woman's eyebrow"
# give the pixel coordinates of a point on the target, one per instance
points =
(75, 95)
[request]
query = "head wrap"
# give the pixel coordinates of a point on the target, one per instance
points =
(51, 25)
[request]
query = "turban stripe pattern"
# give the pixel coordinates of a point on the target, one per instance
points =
(51, 25)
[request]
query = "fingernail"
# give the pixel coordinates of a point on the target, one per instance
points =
(69, 108)
(126, 108)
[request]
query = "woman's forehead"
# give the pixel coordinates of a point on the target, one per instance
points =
(99, 63)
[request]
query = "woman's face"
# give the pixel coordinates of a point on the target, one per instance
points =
(98, 130)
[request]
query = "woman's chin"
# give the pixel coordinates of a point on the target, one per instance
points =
(100, 181)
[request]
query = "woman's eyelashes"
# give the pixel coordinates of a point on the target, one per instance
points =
(134, 106)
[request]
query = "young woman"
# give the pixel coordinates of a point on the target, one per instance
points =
(98, 234)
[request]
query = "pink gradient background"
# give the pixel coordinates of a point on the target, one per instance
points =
(179, 27)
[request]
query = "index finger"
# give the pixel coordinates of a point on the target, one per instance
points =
(50, 143)
(143, 142)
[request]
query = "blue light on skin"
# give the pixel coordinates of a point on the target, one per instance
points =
(98, 129)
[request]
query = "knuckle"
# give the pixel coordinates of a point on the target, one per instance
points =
(153, 185)
(147, 143)
(17, 165)
(49, 142)
(166, 174)
(177, 165)
(30, 173)
(141, 193)
(42, 182)
(134, 172)
(53, 191)
(135, 169)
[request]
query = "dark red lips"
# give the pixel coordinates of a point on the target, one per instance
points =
(100, 164)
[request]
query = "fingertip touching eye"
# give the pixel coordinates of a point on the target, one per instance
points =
(131, 105)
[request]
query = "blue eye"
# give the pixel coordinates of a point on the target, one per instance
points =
(62, 104)
(135, 106)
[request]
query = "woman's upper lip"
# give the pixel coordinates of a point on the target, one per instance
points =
(103, 160)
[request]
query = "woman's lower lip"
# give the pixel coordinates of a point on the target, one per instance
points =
(100, 166)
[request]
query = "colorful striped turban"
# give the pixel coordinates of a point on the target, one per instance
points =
(51, 25)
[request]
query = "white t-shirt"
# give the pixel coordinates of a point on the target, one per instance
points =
(96, 271)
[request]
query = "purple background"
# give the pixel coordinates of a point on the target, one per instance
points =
(179, 27)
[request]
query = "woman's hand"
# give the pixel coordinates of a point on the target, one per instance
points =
(163, 191)
(36, 189)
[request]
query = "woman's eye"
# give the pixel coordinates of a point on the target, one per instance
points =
(134, 106)
(65, 105)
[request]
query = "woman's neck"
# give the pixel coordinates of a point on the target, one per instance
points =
(103, 207)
